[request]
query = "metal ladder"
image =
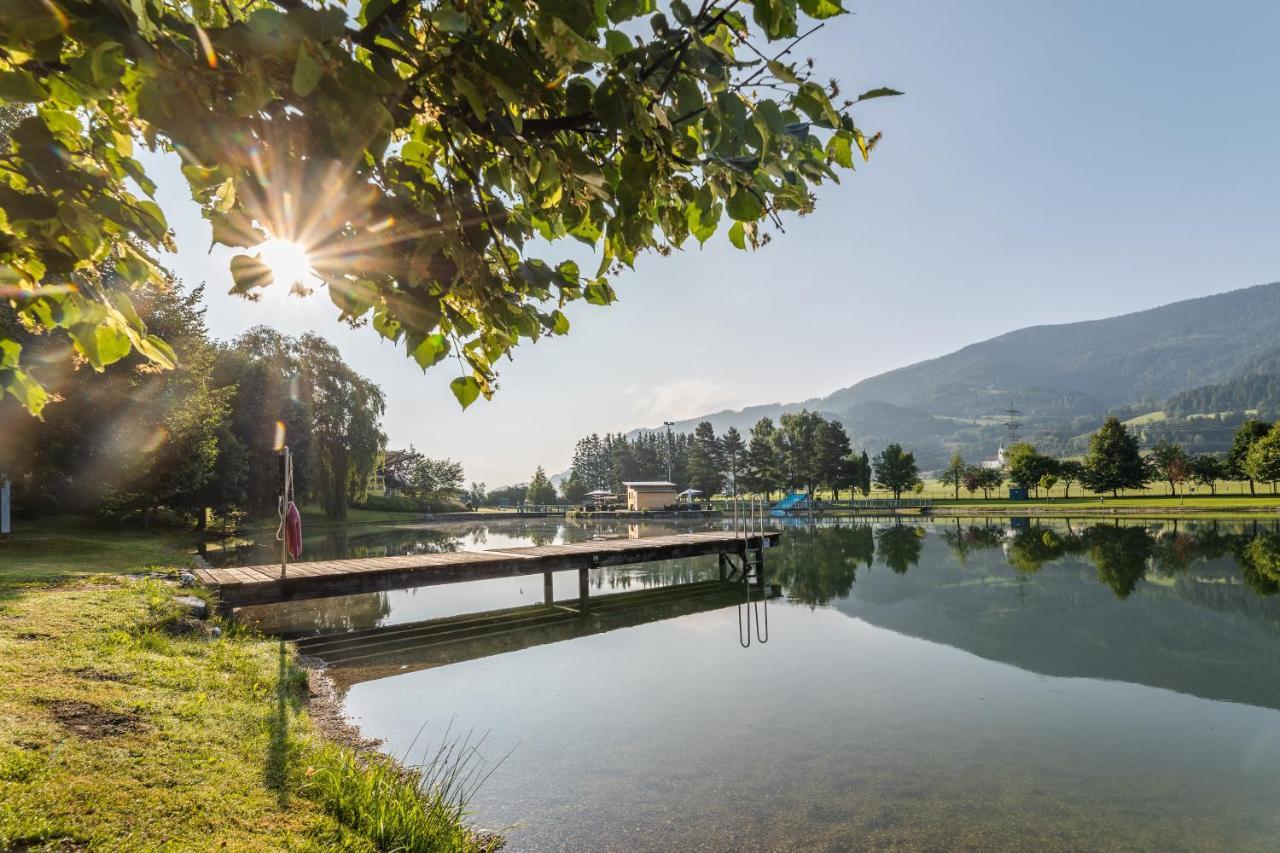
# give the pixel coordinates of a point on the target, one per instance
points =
(748, 521)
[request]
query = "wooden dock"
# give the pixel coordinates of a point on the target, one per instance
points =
(246, 585)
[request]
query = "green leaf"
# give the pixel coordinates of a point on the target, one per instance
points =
(466, 389)
(22, 86)
(450, 20)
(784, 72)
(24, 388)
(353, 297)
(235, 230)
(737, 235)
(702, 216)
(617, 43)
(249, 273)
(306, 73)
(822, 9)
(611, 104)
(599, 293)
(559, 323)
(744, 206)
(840, 149)
(877, 93)
(431, 350)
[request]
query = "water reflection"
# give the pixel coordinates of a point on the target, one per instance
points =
(961, 684)
(819, 563)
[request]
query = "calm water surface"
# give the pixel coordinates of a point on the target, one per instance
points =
(972, 684)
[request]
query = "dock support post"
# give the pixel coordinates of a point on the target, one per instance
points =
(724, 567)
(584, 588)
(548, 592)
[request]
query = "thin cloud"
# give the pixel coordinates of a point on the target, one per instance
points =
(680, 400)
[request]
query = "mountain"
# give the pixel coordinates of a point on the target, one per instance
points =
(1062, 378)
(1254, 389)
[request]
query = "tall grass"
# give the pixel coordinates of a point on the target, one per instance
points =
(411, 808)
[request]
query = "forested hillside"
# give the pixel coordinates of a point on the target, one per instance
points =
(1212, 354)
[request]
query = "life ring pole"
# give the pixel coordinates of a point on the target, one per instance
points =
(285, 495)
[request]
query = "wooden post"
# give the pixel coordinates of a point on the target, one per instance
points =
(284, 505)
(584, 589)
(548, 595)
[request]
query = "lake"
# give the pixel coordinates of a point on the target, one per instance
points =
(970, 684)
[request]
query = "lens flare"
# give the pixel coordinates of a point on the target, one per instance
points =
(289, 262)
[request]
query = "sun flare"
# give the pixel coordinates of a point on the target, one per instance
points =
(289, 262)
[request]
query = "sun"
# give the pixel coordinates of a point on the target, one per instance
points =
(289, 262)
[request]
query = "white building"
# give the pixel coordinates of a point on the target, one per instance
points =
(998, 463)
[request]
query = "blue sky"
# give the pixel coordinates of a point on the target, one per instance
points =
(1050, 162)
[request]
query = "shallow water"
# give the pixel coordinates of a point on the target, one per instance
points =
(974, 684)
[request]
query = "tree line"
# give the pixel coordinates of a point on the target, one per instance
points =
(802, 451)
(1114, 462)
(805, 451)
(131, 440)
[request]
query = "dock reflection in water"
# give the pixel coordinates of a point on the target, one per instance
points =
(357, 656)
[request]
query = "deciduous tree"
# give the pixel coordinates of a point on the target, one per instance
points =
(1246, 434)
(1070, 471)
(1170, 463)
(895, 470)
(1263, 461)
(955, 473)
(1113, 461)
(1207, 470)
(418, 151)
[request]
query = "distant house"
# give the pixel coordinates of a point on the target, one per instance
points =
(650, 495)
(378, 479)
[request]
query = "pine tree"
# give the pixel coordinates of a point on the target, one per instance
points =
(831, 451)
(540, 491)
(734, 456)
(706, 462)
(761, 471)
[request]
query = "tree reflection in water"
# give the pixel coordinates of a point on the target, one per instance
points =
(819, 563)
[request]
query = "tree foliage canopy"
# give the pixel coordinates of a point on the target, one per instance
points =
(416, 150)
(1113, 461)
(895, 469)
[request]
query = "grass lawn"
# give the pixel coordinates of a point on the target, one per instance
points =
(47, 549)
(127, 726)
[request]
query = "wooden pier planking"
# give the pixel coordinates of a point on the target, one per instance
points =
(245, 585)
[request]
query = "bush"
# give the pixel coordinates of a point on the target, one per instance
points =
(408, 503)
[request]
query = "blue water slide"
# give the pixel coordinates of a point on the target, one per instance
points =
(789, 502)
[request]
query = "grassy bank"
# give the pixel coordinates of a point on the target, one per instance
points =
(125, 725)
(51, 548)
(1147, 504)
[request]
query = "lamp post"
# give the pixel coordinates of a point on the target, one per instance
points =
(670, 448)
